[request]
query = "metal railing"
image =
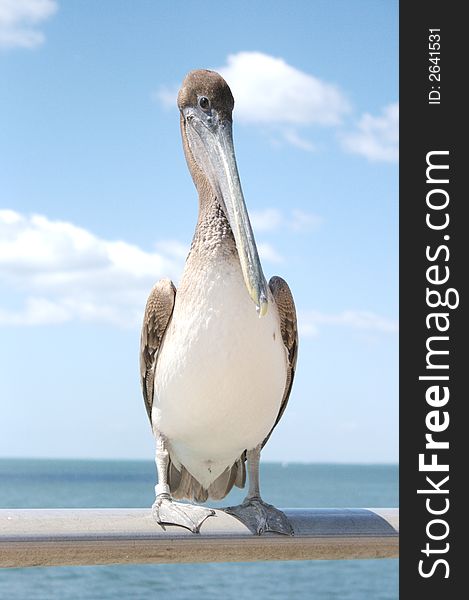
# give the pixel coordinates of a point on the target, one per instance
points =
(46, 537)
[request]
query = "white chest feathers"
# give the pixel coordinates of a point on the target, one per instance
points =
(220, 375)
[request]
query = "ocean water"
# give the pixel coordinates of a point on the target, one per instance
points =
(95, 484)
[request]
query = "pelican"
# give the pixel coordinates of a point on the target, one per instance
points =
(218, 354)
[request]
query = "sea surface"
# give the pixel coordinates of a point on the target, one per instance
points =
(95, 484)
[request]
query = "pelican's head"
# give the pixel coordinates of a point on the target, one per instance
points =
(206, 104)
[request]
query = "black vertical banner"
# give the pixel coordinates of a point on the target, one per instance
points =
(434, 257)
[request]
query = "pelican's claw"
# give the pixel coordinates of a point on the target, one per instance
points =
(260, 517)
(167, 512)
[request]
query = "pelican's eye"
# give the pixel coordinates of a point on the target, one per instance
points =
(204, 103)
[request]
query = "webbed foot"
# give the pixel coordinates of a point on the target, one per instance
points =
(167, 512)
(260, 517)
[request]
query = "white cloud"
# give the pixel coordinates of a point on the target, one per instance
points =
(376, 138)
(273, 219)
(311, 321)
(269, 90)
(19, 20)
(68, 273)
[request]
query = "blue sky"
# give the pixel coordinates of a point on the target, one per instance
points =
(96, 204)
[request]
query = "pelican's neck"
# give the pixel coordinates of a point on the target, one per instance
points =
(213, 235)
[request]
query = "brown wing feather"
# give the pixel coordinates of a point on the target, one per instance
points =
(158, 313)
(288, 326)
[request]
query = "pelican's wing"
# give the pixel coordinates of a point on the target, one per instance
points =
(288, 326)
(158, 313)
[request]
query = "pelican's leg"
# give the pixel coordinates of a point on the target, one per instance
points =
(256, 514)
(164, 510)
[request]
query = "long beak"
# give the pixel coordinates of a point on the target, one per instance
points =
(211, 144)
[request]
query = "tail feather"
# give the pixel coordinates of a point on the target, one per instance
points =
(184, 485)
(240, 480)
(188, 488)
(223, 484)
